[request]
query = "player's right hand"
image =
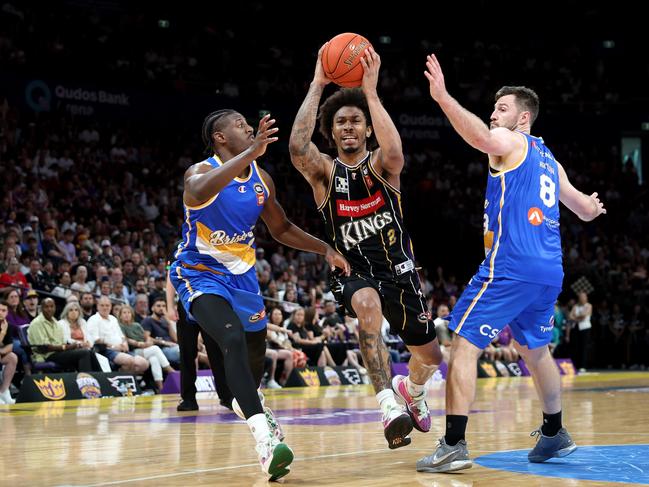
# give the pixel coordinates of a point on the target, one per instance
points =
(335, 259)
(435, 78)
(263, 136)
(319, 75)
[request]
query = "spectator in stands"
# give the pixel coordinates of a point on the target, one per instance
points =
(31, 304)
(638, 338)
(106, 256)
(67, 247)
(103, 329)
(8, 358)
(141, 307)
(75, 329)
(142, 345)
(35, 277)
(305, 341)
(17, 318)
(12, 278)
(508, 352)
(46, 338)
(63, 290)
(261, 263)
(618, 328)
(87, 303)
(51, 248)
(80, 278)
(581, 313)
(162, 333)
(159, 290)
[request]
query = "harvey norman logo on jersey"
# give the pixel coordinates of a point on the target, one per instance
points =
(355, 231)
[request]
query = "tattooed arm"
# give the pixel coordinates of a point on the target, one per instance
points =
(305, 156)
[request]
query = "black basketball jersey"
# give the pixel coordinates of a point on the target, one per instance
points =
(364, 221)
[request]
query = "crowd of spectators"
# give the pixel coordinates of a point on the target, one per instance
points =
(91, 206)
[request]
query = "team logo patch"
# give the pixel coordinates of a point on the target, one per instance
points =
(368, 182)
(259, 189)
(535, 216)
(51, 389)
(257, 316)
(241, 189)
(342, 186)
(88, 385)
(363, 207)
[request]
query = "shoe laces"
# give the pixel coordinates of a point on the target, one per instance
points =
(536, 432)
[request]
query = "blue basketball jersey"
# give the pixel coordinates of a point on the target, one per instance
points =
(218, 235)
(521, 220)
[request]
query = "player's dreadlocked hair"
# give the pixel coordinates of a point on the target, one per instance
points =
(345, 97)
(211, 124)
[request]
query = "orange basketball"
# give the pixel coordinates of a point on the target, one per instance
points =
(341, 59)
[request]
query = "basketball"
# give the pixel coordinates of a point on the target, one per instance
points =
(341, 59)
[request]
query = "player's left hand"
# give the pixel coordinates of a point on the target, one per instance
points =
(435, 78)
(371, 63)
(334, 259)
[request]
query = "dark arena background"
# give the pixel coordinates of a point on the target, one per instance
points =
(101, 107)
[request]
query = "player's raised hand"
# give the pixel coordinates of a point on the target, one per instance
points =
(263, 137)
(371, 63)
(319, 75)
(599, 206)
(435, 78)
(334, 259)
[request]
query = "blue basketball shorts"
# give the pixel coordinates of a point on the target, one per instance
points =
(241, 291)
(486, 307)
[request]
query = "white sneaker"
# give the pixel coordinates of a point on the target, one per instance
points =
(6, 398)
(274, 457)
(272, 384)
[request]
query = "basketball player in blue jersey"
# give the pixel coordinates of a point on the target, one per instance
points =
(214, 271)
(358, 197)
(521, 276)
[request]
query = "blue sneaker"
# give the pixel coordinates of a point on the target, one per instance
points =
(557, 446)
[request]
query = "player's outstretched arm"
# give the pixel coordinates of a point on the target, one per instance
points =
(585, 207)
(498, 142)
(287, 233)
(387, 135)
(305, 156)
(203, 182)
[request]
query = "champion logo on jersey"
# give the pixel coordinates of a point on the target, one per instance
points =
(241, 189)
(535, 216)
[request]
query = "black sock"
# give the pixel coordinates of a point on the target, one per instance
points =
(455, 429)
(551, 424)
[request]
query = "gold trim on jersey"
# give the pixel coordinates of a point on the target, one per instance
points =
(369, 154)
(380, 178)
(403, 323)
(247, 178)
(202, 205)
(189, 234)
(333, 228)
(515, 166)
(186, 281)
(493, 257)
(331, 182)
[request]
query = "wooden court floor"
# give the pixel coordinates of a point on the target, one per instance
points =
(334, 432)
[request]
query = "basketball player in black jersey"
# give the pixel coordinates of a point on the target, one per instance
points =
(358, 196)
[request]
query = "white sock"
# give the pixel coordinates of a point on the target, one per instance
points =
(386, 400)
(259, 427)
(414, 389)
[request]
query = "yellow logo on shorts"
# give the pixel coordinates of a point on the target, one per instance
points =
(51, 389)
(257, 316)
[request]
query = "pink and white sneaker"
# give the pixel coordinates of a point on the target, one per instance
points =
(397, 425)
(416, 406)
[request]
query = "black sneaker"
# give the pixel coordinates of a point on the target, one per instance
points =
(187, 405)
